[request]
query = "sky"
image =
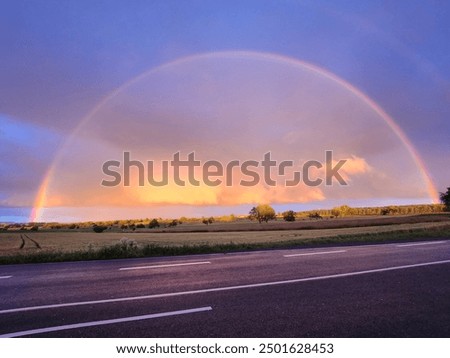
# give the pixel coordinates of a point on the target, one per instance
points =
(83, 81)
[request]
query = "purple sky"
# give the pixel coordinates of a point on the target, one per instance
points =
(59, 59)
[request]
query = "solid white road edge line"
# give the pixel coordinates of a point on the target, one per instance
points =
(227, 288)
(104, 322)
(164, 265)
(422, 243)
(316, 253)
(5, 277)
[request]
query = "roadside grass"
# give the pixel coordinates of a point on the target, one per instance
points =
(126, 248)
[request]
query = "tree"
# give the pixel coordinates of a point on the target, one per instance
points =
(289, 215)
(445, 199)
(262, 212)
(252, 213)
(343, 210)
(153, 224)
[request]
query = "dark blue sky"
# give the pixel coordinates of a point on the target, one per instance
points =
(59, 58)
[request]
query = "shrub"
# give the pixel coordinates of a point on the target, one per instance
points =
(315, 216)
(208, 221)
(127, 244)
(289, 215)
(99, 229)
(173, 223)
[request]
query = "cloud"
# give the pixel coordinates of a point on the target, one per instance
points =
(353, 166)
(63, 192)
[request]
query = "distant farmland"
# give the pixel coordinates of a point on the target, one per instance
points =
(61, 245)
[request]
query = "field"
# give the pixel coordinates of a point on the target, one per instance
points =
(60, 245)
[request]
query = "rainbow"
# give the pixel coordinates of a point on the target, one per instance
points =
(40, 199)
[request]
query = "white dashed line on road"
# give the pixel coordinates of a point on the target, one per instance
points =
(316, 253)
(422, 243)
(104, 322)
(164, 265)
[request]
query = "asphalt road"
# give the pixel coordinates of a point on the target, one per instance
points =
(389, 290)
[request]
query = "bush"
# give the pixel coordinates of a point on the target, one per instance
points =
(208, 221)
(315, 216)
(127, 245)
(99, 229)
(289, 215)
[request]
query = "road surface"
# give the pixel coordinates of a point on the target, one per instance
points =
(387, 290)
